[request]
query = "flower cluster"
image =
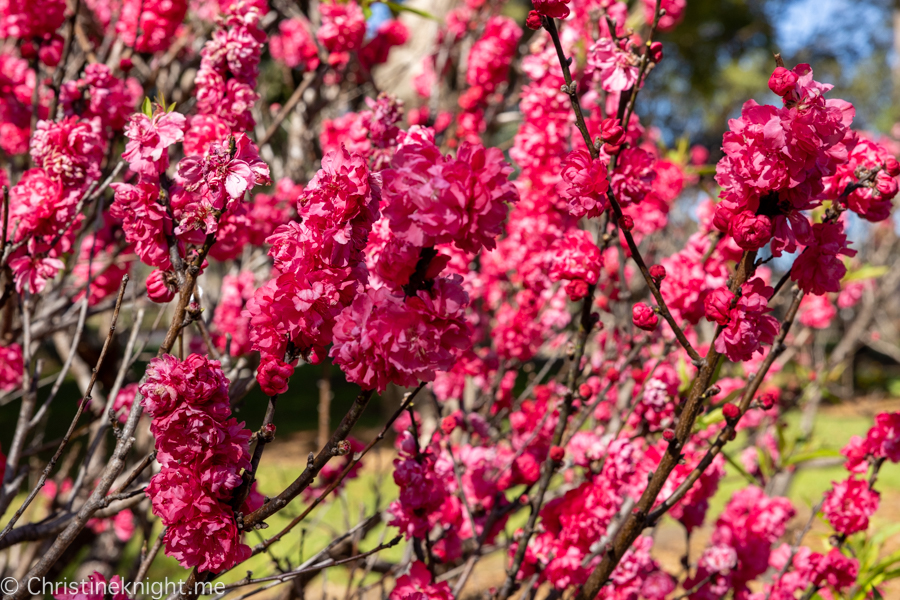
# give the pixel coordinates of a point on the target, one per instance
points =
(226, 81)
(775, 161)
(747, 326)
(202, 452)
(318, 261)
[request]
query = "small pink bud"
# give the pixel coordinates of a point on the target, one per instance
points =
(448, 424)
(126, 64)
(767, 400)
(612, 374)
(611, 132)
(270, 428)
(782, 81)
(885, 184)
(584, 390)
(644, 317)
(626, 223)
(892, 166)
(669, 435)
(656, 52)
(718, 305)
(557, 453)
(533, 20)
(731, 411)
(658, 273)
(27, 50)
(160, 286)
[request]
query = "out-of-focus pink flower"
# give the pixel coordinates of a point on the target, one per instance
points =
(10, 371)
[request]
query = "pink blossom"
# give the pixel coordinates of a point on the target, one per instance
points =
(70, 150)
(417, 585)
(782, 81)
(384, 338)
(149, 25)
(95, 588)
(749, 325)
(883, 439)
(555, 9)
(615, 64)
(149, 139)
(817, 311)
(674, 14)
(273, 375)
(431, 199)
(294, 45)
(161, 286)
(818, 269)
(578, 260)
(587, 184)
(10, 369)
(343, 26)
(644, 317)
(210, 543)
(849, 504)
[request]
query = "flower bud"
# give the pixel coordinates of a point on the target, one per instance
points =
(892, 166)
(644, 317)
(669, 435)
(448, 424)
(657, 273)
(718, 306)
(126, 64)
(610, 131)
(782, 81)
(533, 20)
(885, 184)
(160, 286)
(656, 52)
(731, 411)
(557, 453)
(626, 223)
(585, 391)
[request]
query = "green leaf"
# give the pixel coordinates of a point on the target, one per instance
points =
(800, 457)
(866, 272)
(711, 418)
(171, 107)
(147, 107)
(398, 8)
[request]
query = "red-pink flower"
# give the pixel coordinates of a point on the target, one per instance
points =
(884, 437)
(849, 504)
(95, 588)
(294, 45)
(555, 9)
(782, 81)
(417, 585)
(587, 182)
(749, 325)
(644, 317)
(149, 138)
(70, 150)
(615, 64)
(577, 259)
(273, 375)
(385, 338)
(343, 26)
(819, 269)
(432, 199)
(10, 369)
